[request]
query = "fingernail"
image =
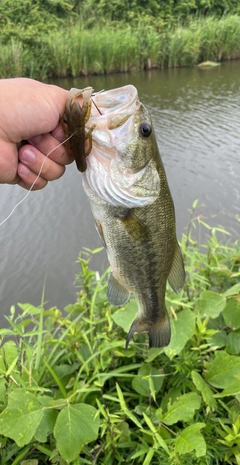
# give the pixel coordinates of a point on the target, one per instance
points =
(28, 156)
(24, 170)
(35, 140)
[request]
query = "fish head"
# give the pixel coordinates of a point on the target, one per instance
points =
(122, 167)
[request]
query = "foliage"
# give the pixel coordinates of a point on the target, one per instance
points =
(25, 16)
(71, 393)
(132, 10)
(49, 38)
(76, 51)
(29, 20)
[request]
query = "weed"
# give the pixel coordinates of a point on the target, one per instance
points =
(71, 393)
(74, 50)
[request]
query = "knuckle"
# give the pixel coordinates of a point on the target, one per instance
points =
(55, 171)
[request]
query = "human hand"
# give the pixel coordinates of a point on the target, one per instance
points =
(30, 112)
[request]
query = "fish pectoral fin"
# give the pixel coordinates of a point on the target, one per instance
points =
(176, 277)
(117, 294)
(135, 227)
(159, 331)
(100, 231)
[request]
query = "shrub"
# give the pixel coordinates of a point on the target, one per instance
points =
(71, 393)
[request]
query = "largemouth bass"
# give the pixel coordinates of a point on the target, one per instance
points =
(133, 210)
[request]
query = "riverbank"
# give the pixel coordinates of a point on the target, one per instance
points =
(75, 51)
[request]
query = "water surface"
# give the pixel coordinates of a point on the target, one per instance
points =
(196, 115)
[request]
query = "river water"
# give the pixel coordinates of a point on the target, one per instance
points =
(196, 115)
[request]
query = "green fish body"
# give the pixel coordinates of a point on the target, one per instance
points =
(133, 210)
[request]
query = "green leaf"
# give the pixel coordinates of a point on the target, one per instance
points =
(182, 409)
(149, 456)
(233, 342)
(6, 332)
(149, 423)
(8, 357)
(21, 418)
(30, 462)
(46, 425)
(29, 309)
(205, 390)
(140, 382)
(3, 390)
(231, 313)
(121, 397)
(182, 330)
(234, 290)
(223, 371)
(76, 426)
(232, 390)
(218, 339)
(162, 443)
(210, 304)
(140, 452)
(57, 404)
(11, 352)
(191, 439)
(153, 353)
(125, 432)
(133, 418)
(124, 317)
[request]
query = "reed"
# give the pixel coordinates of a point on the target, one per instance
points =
(220, 38)
(74, 50)
(184, 47)
(11, 59)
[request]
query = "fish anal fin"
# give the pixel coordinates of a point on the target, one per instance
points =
(159, 331)
(176, 277)
(135, 227)
(117, 294)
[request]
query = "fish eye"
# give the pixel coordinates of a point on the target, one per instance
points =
(145, 129)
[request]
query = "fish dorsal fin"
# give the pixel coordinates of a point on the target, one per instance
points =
(135, 227)
(176, 277)
(117, 294)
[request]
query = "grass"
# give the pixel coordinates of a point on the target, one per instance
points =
(75, 51)
(71, 394)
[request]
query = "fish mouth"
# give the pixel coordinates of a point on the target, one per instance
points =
(112, 115)
(109, 175)
(121, 100)
(110, 110)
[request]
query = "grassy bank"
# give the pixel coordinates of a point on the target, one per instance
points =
(70, 392)
(75, 51)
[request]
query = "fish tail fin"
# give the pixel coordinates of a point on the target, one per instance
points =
(159, 331)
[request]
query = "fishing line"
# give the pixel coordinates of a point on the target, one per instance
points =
(96, 106)
(42, 165)
(93, 94)
(35, 180)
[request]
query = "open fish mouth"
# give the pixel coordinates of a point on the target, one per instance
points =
(121, 100)
(110, 110)
(115, 117)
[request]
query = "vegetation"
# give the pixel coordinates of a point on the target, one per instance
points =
(53, 38)
(71, 394)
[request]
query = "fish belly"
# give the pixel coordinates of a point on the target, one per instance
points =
(141, 265)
